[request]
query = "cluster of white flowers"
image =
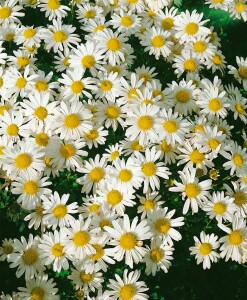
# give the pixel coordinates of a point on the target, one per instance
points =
(236, 8)
(56, 121)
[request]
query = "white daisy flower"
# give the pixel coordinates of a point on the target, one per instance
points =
(28, 36)
(241, 73)
(87, 57)
(95, 173)
(95, 136)
(53, 9)
(127, 174)
(143, 123)
(52, 250)
(39, 287)
(22, 159)
(190, 25)
(127, 288)
(57, 213)
(59, 36)
(158, 256)
(79, 239)
(30, 189)
(235, 240)
(204, 249)
(219, 206)
(6, 248)
(113, 197)
(156, 41)
(10, 12)
(192, 190)
(35, 217)
(162, 225)
(26, 257)
(72, 120)
(88, 281)
(149, 202)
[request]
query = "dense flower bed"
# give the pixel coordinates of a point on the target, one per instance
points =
(120, 123)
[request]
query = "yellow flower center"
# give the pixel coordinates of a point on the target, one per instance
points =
(125, 175)
(66, 62)
(128, 241)
(29, 33)
(53, 4)
(199, 127)
(191, 28)
(183, 96)
(42, 139)
(96, 174)
(205, 248)
(219, 208)
(1, 82)
(48, 162)
(1, 150)
(240, 109)
(136, 146)
(12, 130)
(196, 157)
(105, 85)
(30, 256)
(156, 254)
(114, 197)
(57, 250)
(7, 249)
(5, 12)
(113, 44)
(145, 123)
(89, 14)
(200, 46)
(86, 277)
(235, 238)
(114, 155)
(99, 252)
(149, 169)
(67, 150)
(41, 86)
(242, 72)
(92, 134)
(23, 61)
(39, 210)
(192, 190)
(132, 1)
(104, 223)
(31, 187)
(21, 83)
(162, 225)
(218, 1)
(213, 143)
(213, 174)
(148, 204)
(170, 126)
(60, 36)
(77, 87)
(167, 23)
(23, 161)
(166, 147)
(127, 291)
(217, 60)
(126, 21)
(146, 77)
(60, 211)
(158, 41)
(190, 65)
(37, 293)
(99, 28)
(9, 37)
(238, 160)
(239, 198)
(112, 112)
(240, 7)
(72, 121)
(81, 238)
(41, 113)
(94, 208)
(214, 104)
(88, 61)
